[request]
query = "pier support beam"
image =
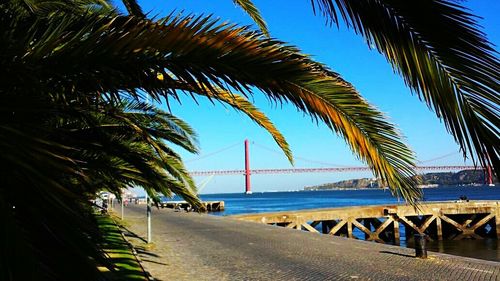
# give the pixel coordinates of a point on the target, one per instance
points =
(396, 232)
(439, 228)
(497, 222)
(349, 228)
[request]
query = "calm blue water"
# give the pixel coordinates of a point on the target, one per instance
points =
(238, 203)
(259, 202)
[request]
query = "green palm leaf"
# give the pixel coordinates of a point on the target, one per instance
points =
(241, 104)
(133, 8)
(209, 56)
(437, 47)
(253, 12)
(57, 154)
(47, 7)
(127, 143)
(38, 207)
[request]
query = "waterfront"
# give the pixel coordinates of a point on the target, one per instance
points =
(191, 246)
(238, 203)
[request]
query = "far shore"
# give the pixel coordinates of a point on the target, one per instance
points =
(425, 186)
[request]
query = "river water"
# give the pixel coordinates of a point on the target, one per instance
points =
(259, 202)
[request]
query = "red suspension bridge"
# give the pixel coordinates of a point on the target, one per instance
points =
(247, 172)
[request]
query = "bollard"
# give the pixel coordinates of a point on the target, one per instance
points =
(420, 246)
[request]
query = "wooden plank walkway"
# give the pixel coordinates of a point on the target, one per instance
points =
(438, 220)
(191, 246)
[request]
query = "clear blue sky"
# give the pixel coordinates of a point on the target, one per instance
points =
(344, 52)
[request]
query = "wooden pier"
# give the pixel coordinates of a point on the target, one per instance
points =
(438, 220)
(211, 206)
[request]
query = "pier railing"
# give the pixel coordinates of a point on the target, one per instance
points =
(438, 220)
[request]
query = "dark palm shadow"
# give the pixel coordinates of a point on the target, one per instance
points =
(145, 260)
(127, 232)
(397, 254)
(143, 251)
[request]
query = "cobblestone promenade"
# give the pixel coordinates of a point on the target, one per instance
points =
(190, 246)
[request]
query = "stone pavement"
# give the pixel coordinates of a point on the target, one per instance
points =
(190, 246)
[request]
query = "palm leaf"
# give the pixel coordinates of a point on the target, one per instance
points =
(38, 207)
(46, 7)
(133, 8)
(127, 143)
(437, 47)
(209, 57)
(253, 12)
(240, 103)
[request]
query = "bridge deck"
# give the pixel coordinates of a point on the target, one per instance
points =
(320, 170)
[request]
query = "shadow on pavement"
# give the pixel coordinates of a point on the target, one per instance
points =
(160, 263)
(127, 232)
(397, 254)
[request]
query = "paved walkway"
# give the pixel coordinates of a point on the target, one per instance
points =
(190, 246)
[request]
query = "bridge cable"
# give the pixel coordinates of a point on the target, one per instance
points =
(439, 157)
(344, 166)
(212, 153)
(297, 157)
(204, 183)
(301, 158)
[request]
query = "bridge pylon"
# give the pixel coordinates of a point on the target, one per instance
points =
(248, 188)
(489, 176)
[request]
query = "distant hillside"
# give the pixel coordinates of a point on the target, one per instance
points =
(461, 178)
(354, 183)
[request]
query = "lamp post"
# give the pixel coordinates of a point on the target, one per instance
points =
(122, 205)
(148, 213)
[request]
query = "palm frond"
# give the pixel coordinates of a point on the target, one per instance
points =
(56, 155)
(249, 7)
(240, 103)
(133, 8)
(129, 139)
(209, 57)
(44, 8)
(438, 48)
(38, 207)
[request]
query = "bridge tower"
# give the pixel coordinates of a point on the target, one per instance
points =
(248, 189)
(489, 176)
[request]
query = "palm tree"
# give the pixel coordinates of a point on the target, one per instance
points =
(73, 121)
(444, 58)
(61, 144)
(58, 158)
(441, 53)
(203, 57)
